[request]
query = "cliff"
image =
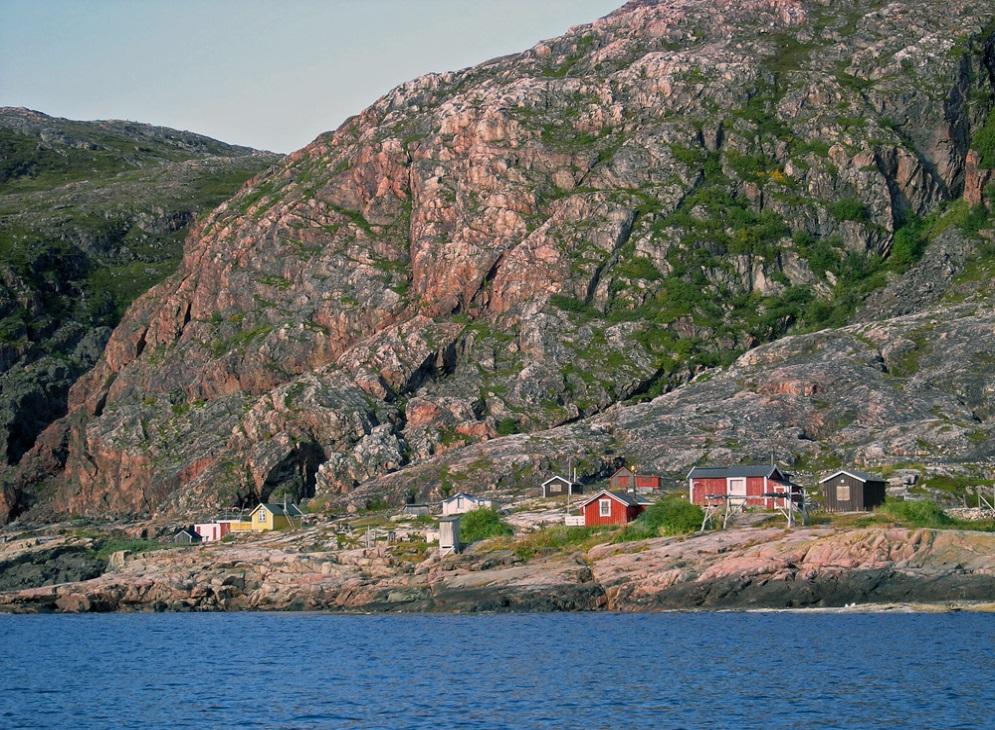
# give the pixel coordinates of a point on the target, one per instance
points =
(484, 272)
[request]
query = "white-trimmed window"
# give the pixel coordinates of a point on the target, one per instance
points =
(604, 508)
(262, 515)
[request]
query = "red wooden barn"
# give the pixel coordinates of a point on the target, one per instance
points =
(625, 479)
(750, 482)
(612, 508)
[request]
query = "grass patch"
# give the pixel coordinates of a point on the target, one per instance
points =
(927, 514)
(561, 538)
(134, 546)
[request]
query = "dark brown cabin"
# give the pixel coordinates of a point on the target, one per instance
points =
(626, 480)
(849, 490)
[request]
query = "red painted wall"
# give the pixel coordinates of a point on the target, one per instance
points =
(620, 482)
(754, 488)
(707, 486)
(621, 514)
(644, 481)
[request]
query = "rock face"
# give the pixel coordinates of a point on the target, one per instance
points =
(91, 215)
(745, 568)
(29, 563)
(525, 244)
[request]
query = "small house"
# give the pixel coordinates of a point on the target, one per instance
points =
(462, 503)
(849, 490)
(269, 516)
(612, 508)
(556, 486)
(213, 531)
(449, 535)
(626, 480)
(747, 485)
(415, 510)
(186, 536)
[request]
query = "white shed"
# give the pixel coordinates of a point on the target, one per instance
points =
(449, 535)
(462, 503)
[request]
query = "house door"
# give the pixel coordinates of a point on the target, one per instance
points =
(737, 488)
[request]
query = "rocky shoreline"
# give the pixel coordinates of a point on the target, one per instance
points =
(738, 569)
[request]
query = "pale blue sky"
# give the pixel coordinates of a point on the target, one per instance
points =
(270, 74)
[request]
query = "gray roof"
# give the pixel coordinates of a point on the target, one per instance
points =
(467, 495)
(745, 470)
(630, 498)
(862, 476)
(277, 509)
(555, 478)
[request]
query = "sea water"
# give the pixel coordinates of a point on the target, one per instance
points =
(596, 670)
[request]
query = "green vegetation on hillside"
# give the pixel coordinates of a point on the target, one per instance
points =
(92, 215)
(672, 515)
(481, 524)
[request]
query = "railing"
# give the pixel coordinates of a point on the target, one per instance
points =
(574, 520)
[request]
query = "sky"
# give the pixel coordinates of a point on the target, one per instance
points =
(270, 74)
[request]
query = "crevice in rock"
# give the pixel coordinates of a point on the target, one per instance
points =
(620, 241)
(898, 203)
(650, 383)
(140, 345)
(438, 364)
(481, 297)
(98, 409)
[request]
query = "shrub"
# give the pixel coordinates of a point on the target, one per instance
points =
(573, 306)
(670, 516)
(481, 524)
(984, 142)
(849, 209)
(507, 426)
(673, 516)
(975, 220)
(909, 245)
(639, 267)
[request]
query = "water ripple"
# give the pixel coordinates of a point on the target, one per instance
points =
(683, 670)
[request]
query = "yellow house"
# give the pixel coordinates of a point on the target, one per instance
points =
(268, 517)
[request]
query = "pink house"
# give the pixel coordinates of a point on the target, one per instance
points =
(213, 531)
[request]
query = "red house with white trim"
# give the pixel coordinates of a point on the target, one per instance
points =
(749, 482)
(612, 508)
(625, 479)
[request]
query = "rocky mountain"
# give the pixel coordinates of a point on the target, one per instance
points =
(91, 215)
(564, 254)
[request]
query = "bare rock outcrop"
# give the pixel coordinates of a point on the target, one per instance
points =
(744, 568)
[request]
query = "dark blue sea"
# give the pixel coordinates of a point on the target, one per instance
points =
(674, 670)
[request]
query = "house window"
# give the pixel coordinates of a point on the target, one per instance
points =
(262, 515)
(843, 493)
(605, 508)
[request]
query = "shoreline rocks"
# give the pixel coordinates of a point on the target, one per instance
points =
(740, 569)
